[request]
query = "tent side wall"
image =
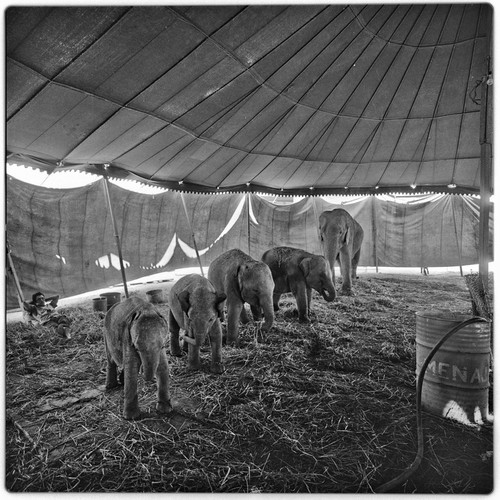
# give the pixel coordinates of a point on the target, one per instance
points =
(62, 240)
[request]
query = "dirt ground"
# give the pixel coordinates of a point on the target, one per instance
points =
(327, 407)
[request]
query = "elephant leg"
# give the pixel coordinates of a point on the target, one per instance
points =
(111, 373)
(301, 299)
(216, 345)
(164, 404)
(354, 265)
(131, 365)
(193, 360)
(256, 313)
(345, 270)
(175, 348)
(309, 299)
(233, 316)
(276, 301)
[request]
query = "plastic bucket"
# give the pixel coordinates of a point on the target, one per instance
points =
(456, 381)
(112, 298)
(100, 304)
(155, 296)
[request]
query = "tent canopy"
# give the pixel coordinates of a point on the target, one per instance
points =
(285, 99)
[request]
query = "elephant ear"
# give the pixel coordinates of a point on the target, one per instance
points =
(346, 235)
(130, 320)
(239, 279)
(184, 300)
(305, 265)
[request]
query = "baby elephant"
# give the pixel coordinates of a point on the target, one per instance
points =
(297, 271)
(133, 335)
(196, 307)
(243, 279)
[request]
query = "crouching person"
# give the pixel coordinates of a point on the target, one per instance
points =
(41, 311)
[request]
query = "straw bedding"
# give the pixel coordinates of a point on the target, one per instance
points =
(326, 407)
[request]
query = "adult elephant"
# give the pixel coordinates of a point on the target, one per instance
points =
(341, 237)
(243, 279)
(297, 271)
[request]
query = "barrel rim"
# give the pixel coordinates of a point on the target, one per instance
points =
(447, 316)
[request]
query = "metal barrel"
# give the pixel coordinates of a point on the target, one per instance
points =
(112, 298)
(155, 296)
(100, 304)
(456, 381)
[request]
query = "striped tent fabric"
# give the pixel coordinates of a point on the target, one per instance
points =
(286, 99)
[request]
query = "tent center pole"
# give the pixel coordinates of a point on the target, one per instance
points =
(117, 237)
(192, 233)
(248, 222)
(374, 232)
(485, 171)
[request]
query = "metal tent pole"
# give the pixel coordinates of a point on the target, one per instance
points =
(485, 166)
(20, 296)
(192, 233)
(117, 237)
(459, 252)
(248, 222)
(374, 232)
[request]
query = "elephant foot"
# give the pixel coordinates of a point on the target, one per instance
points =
(164, 407)
(348, 292)
(134, 414)
(265, 328)
(217, 368)
(111, 384)
(192, 367)
(176, 352)
(231, 340)
(304, 319)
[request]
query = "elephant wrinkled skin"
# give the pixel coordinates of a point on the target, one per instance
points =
(243, 279)
(196, 307)
(341, 237)
(134, 335)
(297, 271)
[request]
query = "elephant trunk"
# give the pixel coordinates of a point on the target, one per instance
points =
(331, 252)
(328, 294)
(190, 340)
(199, 338)
(198, 332)
(149, 370)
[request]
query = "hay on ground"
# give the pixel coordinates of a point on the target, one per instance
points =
(327, 407)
